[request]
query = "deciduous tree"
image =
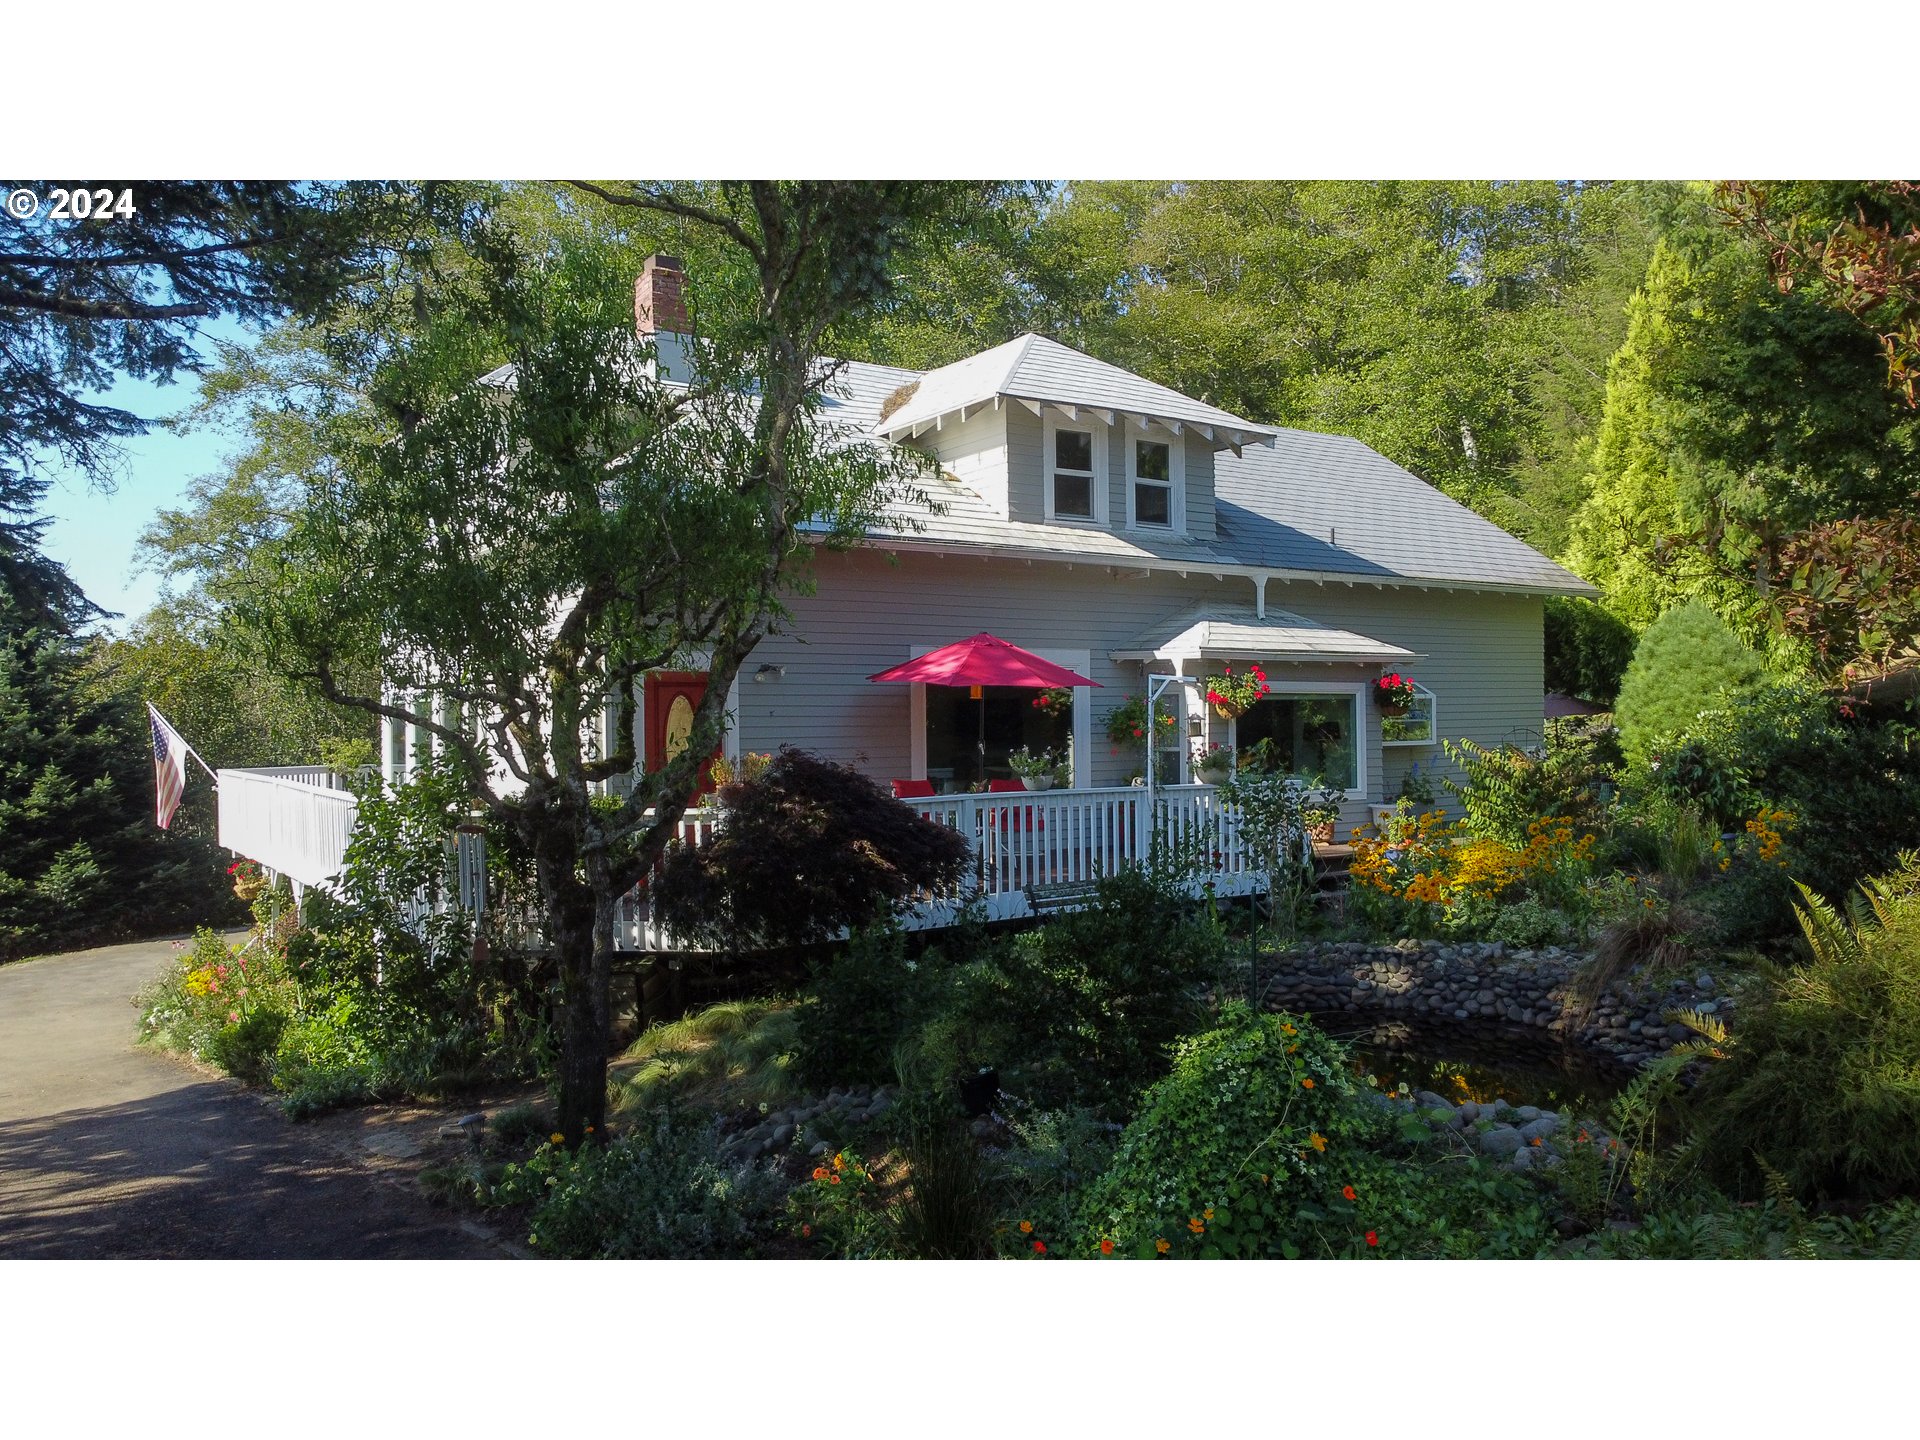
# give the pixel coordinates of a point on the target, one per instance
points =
(526, 545)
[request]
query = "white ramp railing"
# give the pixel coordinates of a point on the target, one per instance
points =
(293, 821)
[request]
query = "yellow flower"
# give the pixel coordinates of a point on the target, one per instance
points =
(1206, 1214)
(558, 1138)
(1317, 1140)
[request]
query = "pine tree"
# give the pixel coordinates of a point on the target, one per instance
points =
(80, 856)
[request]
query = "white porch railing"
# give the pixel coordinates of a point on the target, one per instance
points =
(297, 822)
(293, 821)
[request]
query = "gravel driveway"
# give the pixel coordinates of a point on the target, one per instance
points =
(111, 1150)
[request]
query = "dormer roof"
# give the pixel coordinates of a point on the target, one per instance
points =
(1040, 374)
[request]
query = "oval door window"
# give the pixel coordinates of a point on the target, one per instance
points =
(679, 728)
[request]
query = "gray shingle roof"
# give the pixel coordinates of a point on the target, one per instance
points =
(1328, 504)
(1036, 368)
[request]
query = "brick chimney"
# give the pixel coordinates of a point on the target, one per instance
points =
(658, 304)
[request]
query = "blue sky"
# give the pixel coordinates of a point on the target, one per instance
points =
(93, 533)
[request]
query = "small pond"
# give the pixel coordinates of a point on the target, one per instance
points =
(1482, 1062)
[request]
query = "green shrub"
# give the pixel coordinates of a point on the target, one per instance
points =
(1505, 790)
(860, 1005)
(1261, 1143)
(1822, 1082)
(1851, 785)
(1044, 1173)
(1687, 661)
(1528, 924)
(1083, 1009)
(661, 1193)
(1774, 1229)
(247, 1047)
(1587, 649)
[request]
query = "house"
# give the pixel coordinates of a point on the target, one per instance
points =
(1124, 530)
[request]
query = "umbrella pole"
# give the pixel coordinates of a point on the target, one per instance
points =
(983, 737)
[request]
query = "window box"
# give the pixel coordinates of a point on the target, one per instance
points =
(1417, 724)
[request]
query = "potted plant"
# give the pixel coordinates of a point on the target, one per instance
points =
(1233, 695)
(1036, 768)
(1127, 724)
(1055, 701)
(1212, 763)
(1393, 694)
(1320, 810)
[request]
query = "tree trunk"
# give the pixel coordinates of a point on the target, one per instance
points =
(585, 973)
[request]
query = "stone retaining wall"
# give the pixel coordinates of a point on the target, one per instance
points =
(1486, 981)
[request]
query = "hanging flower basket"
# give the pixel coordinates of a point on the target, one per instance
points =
(249, 880)
(1231, 695)
(1393, 694)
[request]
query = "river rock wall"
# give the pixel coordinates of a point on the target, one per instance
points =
(1488, 981)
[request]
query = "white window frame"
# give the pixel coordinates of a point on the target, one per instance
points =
(1357, 689)
(1427, 698)
(1176, 477)
(1100, 482)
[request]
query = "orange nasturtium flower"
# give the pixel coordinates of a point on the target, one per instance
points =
(833, 1179)
(1026, 1227)
(1308, 1082)
(1349, 1192)
(1106, 1247)
(819, 1172)
(1206, 1214)
(1316, 1139)
(1162, 1246)
(1197, 1226)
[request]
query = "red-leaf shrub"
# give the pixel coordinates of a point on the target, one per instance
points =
(804, 849)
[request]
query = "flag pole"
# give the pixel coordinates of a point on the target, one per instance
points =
(211, 773)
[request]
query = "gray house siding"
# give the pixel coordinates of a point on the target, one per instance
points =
(975, 452)
(1482, 653)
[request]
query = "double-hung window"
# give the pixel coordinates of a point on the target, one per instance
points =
(1154, 482)
(1074, 473)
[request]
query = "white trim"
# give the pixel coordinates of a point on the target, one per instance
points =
(1220, 568)
(1433, 722)
(1098, 483)
(1357, 689)
(1176, 478)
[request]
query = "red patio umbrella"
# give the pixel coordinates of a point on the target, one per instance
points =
(984, 659)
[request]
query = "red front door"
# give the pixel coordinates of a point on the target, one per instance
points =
(672, 696)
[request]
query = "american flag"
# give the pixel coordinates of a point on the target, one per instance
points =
(169, 769)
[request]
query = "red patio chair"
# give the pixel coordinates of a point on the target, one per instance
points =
(912, 789)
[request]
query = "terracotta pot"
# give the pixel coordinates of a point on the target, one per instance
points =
(1321, 834)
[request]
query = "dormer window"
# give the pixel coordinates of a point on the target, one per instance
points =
(1075, 456)
(1154, 482)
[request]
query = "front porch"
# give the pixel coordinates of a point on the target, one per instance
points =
(1039, 849)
